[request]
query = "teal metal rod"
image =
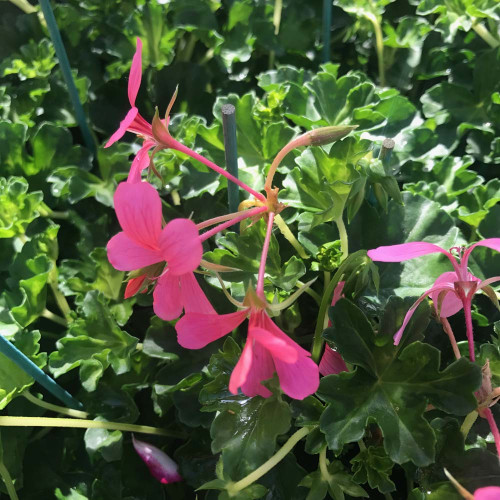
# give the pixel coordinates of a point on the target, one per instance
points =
(327, 26)
(48, 14)
(231, 152)
(40, 376)
(386, 150)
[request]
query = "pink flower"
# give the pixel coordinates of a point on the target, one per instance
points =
(143, 242)
(161, 466)
(452, 290)
(487, 493)
(332, 362)
(266, 350)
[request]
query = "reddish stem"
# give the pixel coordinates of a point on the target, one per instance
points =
(451, 336)
(235, 220)
(466, 301)
(494, 429)
(184, 149)
(263, 258)
(217, 220)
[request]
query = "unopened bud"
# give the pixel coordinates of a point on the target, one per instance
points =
(327, 135)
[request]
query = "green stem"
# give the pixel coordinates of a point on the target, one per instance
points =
(344, 242)
(468, 423)
(285, 231)
(234, 488)
(54, 317)
(485, 34)
(379, 43)
(7, 479)
(323, 465)
(56, 408)
(61, 301)
(83, 424)
(316, 296)
(362, 446)
(24, 5)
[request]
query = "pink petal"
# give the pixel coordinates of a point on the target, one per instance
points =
(488, 282)
(161, 466)
(331, 362)
(167, 301)
(193, 298)
(133, 286)
(451, 304)
(181, 246)
(493, 243)
(262, 368)
(337, 293)
(277, 347)
(134, 77)
(138, 208)
(125, 254)
(487, 493)
(195, 330)
(299, 379)
(124, 125)
(409, 314)
(406, 251)
(242, 368)
(141, 161)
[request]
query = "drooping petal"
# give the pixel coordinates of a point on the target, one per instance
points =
(138, 208)
(141, 161)
(406, 251)
(493, 243)
(181, 246)
(262, 368)
(277, 347)
(195, 330)
(451, 304)
(487, 493)
(299, 379)
(331, 362)
(135, 75)
(124, 125)
(161, 466)
(125, 254)
(133, 286)
(409, 314)
(337, 293)
(193, 298)
(242, 368)
(167, 300)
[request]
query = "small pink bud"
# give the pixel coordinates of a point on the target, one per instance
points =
(326, 135)
(161, 466)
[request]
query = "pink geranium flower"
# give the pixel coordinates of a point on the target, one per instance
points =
(332, 362)
(161, 466)
(452, 290)
(486, 493)
(144, 242)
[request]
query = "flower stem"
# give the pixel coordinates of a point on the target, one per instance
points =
(193, 154)
(483, 32)
(235, 220)
(82, 424)
(379, 43)
(218, 220)
(263, 258)
(316, 296)
(468, 423)
(61, 301)
(323, 465)
(344, 242)
(451, 336)
(234, 488)
(7, 479)
(468, 323)
(494, 428)
(56, 408)
(285, 231)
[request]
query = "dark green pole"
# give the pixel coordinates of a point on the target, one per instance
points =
(231, 152)
(40, 376)
(386, 150)
(327, 26)
(48, 14)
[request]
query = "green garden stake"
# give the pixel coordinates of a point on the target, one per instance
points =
(327, 26)
(21, 360)
(231, 153)
(386, 150)
(55, 35)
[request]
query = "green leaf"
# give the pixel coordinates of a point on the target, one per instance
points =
(390, 388)
(94, 342)
(373, 465)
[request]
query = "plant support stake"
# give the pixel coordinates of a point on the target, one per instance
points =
(55, 35)
(386, 150)
(327, 26)
(231, 153)
(40, 376)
